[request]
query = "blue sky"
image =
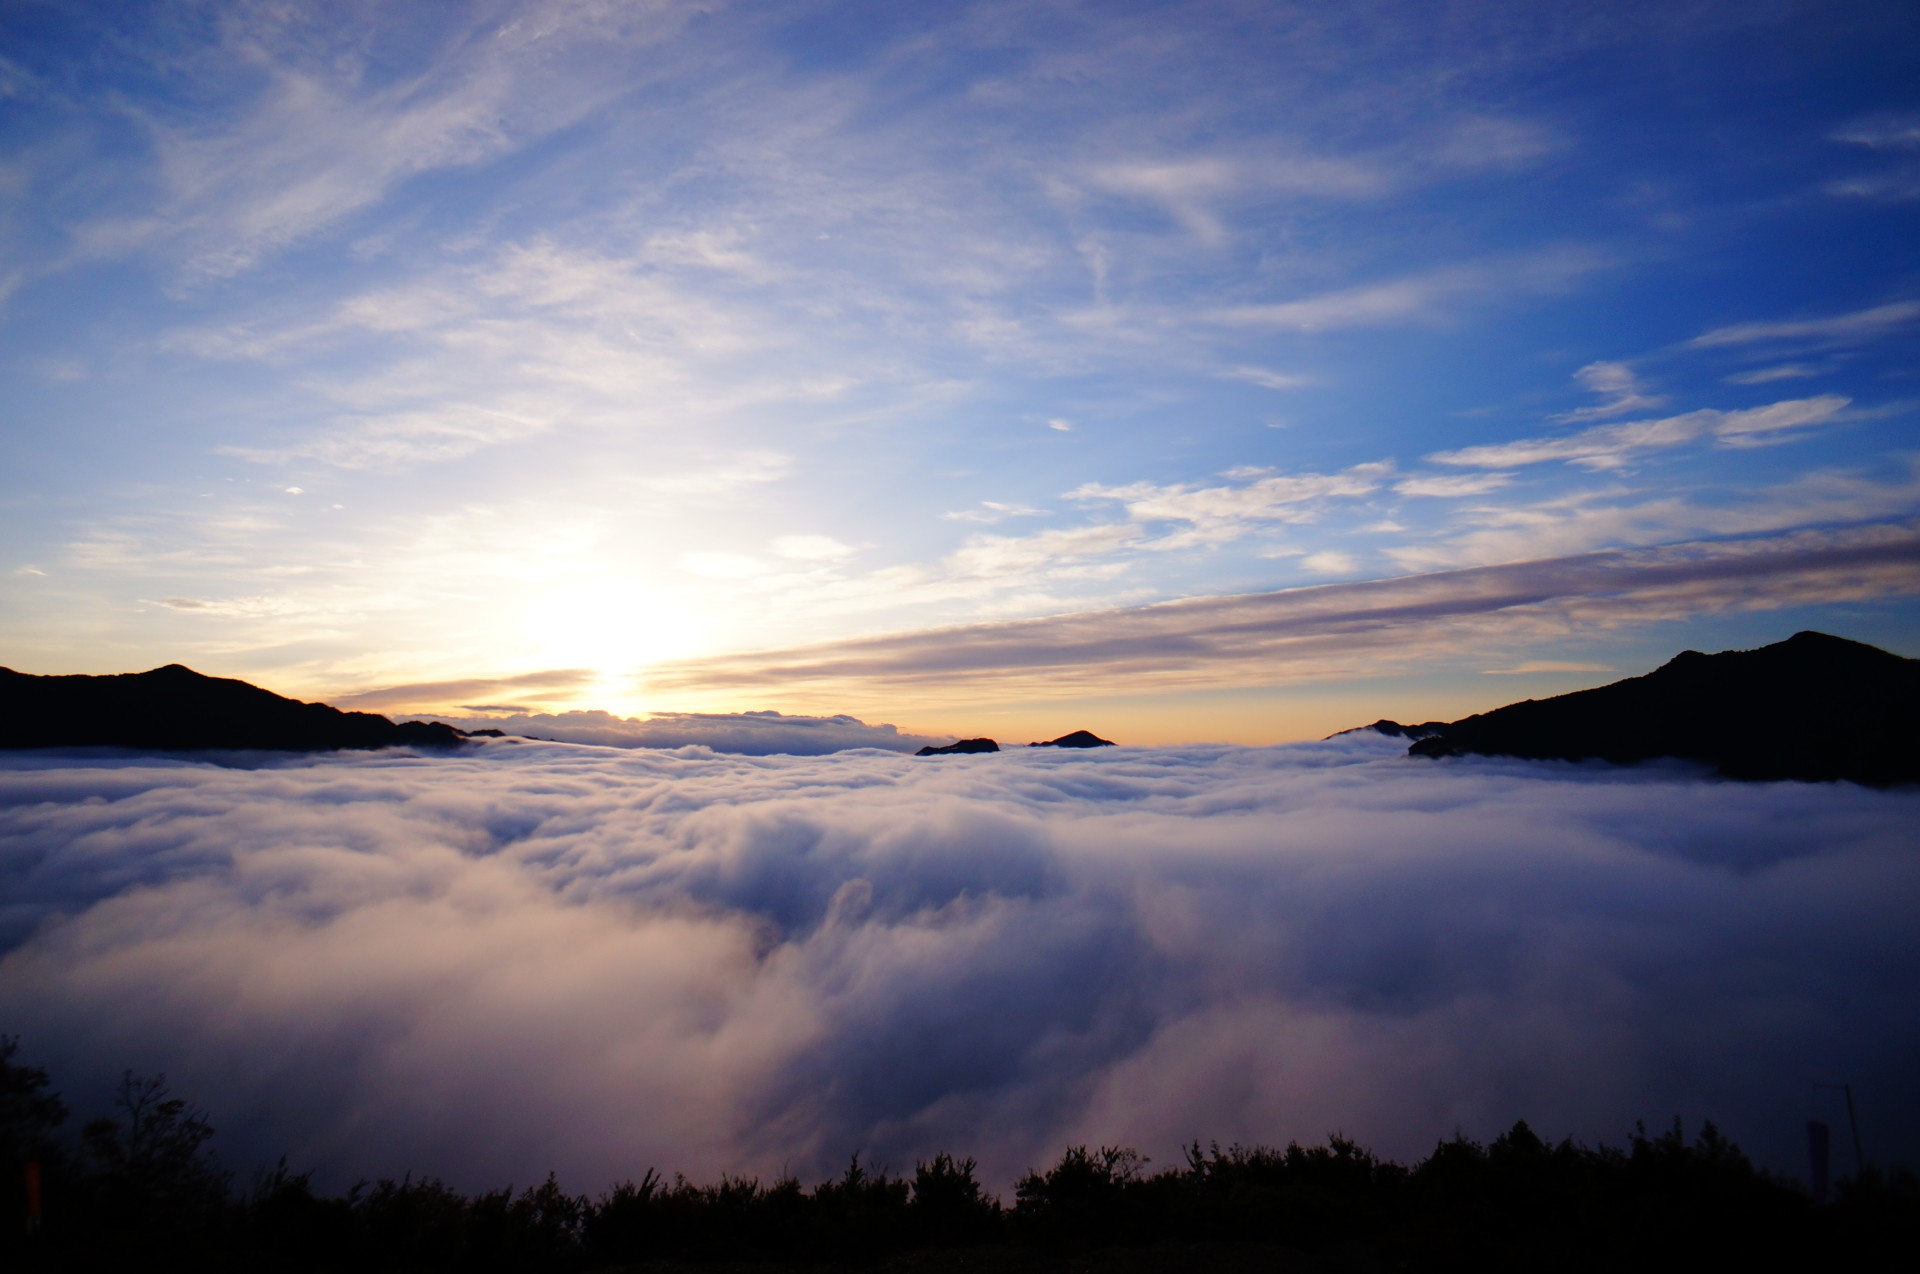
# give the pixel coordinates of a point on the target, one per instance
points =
(1195, 371)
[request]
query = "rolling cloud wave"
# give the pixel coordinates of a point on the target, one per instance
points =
(597, 960)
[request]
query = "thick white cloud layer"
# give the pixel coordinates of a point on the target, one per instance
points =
(533, 956)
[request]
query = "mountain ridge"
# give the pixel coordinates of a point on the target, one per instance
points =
(172, 708)
(1815, 707)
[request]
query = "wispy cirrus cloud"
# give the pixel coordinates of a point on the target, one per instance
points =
(328, 134)
(1619, 388)
(1580, 521)
(1419, 298)
(1895, 131)
(1835, 329)
(430, 694)
(1773, 374)
(1896, 135)
(1159, 518)
(1452, 486)
(1269, 379)
(1190, 189)
(1611, 446)
(1285, 497)
(1338, 629)
(992, 511)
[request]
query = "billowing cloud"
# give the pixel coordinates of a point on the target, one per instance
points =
(541, 956)
(749, 733)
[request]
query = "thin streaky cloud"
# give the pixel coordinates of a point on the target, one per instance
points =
(1452, 486)
(1610, 446)
(1619, 389)
(1395, 301)
(325, 140)
(1625, 516)
(1305, 633)
(1768, 375)
(993, 511)
(1287, 497)
(1883, 132)
(1419, 298)
(405, 697)
(1859, 325)
(1268, 379)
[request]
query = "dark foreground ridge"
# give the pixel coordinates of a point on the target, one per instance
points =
(140, 1190)
(965, 745)
(1078, 739)
(174, 709)
(1814, 708)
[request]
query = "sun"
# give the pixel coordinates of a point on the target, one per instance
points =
(613, 629)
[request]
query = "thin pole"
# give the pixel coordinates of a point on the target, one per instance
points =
(1859, 1157)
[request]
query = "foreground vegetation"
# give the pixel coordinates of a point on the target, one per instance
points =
(139, 1189)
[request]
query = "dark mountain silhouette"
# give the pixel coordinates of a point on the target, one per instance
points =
(1078, 739)
(177, 709)
(1394, 730)
(965, 745)
(1813, 707)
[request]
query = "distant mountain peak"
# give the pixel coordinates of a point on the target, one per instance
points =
(172, 708)
(963, 746)
(1078, 739)
(1814, 707)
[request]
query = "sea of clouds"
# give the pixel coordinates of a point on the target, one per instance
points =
(531, 956)
(749, 733)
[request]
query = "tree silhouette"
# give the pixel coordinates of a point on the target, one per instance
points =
(29, 1112)
(150, 1165)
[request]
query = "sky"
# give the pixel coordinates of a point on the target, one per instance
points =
(530, 957)
(1199, 371)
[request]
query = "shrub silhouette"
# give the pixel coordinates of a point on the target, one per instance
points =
(540, 1229)
(1301, 1195)
(1084, 1197)
(949, 1209)
(145, 1189)
(283, 1217)
(861, 1215)
(412, 1223)
(620, 1227)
